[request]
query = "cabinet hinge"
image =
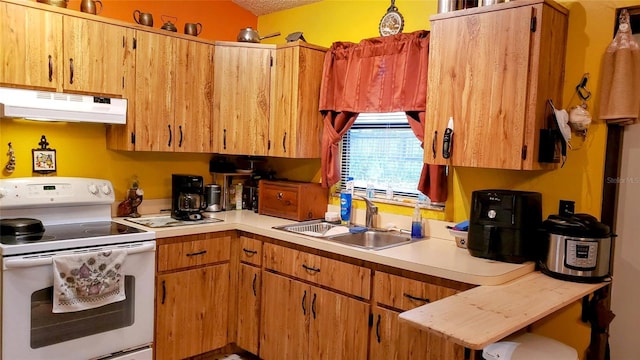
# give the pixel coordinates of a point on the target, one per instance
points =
(534, 23)
(133, 138)
(370, 320)
(135, 43)
(524, 152)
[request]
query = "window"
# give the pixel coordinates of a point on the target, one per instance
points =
(381, 150)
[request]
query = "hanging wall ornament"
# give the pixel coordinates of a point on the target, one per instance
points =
(392, 22)
(11, 164)
(44, 158)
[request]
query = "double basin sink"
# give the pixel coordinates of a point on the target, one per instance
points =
(371, 239)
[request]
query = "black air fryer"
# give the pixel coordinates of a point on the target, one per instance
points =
(504, 225)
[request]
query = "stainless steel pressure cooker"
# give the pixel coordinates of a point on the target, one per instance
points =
(579, 248)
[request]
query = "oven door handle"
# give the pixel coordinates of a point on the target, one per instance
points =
(32, 262)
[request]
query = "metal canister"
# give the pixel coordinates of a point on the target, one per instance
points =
(212, 197)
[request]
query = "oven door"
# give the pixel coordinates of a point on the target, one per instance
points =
(30, 330)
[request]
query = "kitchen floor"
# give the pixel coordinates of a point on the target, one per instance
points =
(242, 356)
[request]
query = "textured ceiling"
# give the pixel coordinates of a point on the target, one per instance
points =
(263, 7)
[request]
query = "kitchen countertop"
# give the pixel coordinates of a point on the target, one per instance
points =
(431, 256)
(509, 298)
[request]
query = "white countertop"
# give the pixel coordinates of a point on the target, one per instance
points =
(432, 256)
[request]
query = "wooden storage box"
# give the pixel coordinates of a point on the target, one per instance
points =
(292, 200)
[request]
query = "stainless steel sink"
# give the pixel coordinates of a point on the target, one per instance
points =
(372, 239)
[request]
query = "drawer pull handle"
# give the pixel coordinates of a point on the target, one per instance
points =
(249, 252)
(202, 252)
(170, 135)
(255, 279)
(304, 300)
(164, 291)
(309, 268)
(434, 143)
(378, 328)
(71, 71)
(411, 297)
(279, 196)
(313, 306)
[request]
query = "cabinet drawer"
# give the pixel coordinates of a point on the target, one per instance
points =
(348, 278)
(292, 200)
(405, 294)
(250, 251)
(193, 251)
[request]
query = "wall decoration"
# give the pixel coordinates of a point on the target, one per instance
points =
(44, 158)
(11, 164)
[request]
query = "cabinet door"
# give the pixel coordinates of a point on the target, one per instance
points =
(479, 75)
(248, 308)
(339, 326)
(242, 97)
(284, 327)
(30, 47)
(193, 96)
(191, 316)
(155, 90)
(297, 127)
(394, 340)
(96, 58)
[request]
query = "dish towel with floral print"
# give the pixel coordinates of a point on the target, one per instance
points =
(87, 281)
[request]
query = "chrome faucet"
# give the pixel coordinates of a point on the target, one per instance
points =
(371, 211)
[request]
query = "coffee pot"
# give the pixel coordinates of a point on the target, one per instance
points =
(188, 199)
(190, 202)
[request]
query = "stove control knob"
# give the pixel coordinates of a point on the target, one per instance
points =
(105, 189)
(3, 192)
(93, 189)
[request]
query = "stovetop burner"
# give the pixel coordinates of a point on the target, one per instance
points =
(71, 231)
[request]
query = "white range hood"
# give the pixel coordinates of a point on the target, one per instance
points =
(54, 106)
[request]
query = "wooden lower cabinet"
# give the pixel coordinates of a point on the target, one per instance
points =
(190, 318)
(192, 293)
(301, 321)
(393, 340)
(249, 285)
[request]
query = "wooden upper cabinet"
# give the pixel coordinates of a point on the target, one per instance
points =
(55, 52)
(295, 129)
(155, 90)
(30, 47)
(96, 57)
(493, 71)
(242, 97)
(193, 96)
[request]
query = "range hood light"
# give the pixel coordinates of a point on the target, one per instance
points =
(53, 106)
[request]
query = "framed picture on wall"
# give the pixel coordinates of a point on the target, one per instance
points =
(44, 158)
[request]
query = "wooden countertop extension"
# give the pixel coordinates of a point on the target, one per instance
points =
(480, 316)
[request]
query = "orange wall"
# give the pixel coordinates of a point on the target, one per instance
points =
(220, 19)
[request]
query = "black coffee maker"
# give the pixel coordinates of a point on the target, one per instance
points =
(504, 225)
(188, 201)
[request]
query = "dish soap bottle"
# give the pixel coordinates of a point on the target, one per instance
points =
(416, 223)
